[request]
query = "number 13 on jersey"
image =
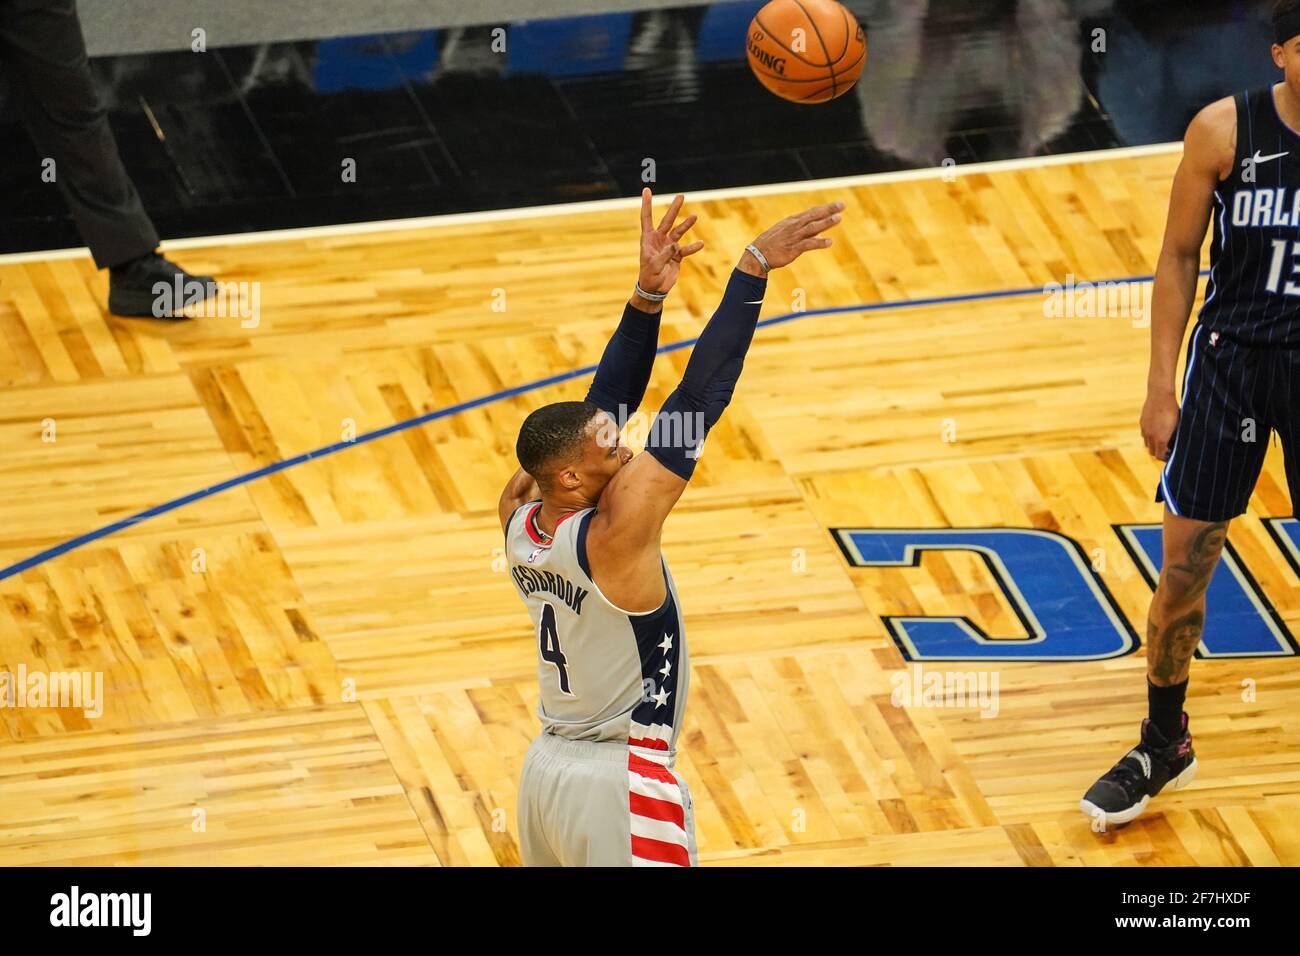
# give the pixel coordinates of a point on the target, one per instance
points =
(1283, 250)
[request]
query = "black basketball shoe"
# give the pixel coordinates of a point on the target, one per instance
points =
(1154, 764)
(152, 287)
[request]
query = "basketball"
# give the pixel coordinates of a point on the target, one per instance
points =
(806, 51)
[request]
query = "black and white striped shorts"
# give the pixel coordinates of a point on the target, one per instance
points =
(1234, 397)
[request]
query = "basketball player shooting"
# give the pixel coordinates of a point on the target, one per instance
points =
(1241, 165)
(583, 519)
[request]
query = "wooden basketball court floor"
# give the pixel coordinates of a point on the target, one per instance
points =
(327, 665)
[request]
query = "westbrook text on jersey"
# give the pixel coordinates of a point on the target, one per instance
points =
(530, 580)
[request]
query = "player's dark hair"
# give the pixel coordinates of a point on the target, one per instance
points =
(553, 433)
(1286, 19)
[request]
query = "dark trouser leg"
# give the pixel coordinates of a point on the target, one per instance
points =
(44, 56)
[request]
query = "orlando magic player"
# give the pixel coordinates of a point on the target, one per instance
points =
(1241, 166)
(583, 520)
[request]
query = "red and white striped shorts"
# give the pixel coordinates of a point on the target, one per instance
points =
(601, 803)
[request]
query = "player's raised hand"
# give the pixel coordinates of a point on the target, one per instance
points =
(794, 235)
(662, 251)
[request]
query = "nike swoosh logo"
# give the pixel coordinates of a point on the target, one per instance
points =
(1264, 159)
(759, 302)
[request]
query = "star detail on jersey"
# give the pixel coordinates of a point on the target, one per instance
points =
(661, 645)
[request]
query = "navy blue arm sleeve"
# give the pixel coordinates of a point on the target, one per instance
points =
(697, 404)
(624, 370)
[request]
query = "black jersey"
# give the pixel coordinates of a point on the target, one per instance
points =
(1253, 296)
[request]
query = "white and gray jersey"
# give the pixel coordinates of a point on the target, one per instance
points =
(605, 674)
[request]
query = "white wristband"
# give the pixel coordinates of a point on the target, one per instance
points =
(759, 257)
(652, 296)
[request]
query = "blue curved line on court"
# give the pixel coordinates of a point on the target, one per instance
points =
(50, 554)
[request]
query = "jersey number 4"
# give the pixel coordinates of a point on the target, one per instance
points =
(550, 641)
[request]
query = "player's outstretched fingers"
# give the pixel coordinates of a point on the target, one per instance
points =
(693, 248)
(821, 225)
(817, 242)
(647, 220)
(683, 227)
(671, 215)
(821, 212)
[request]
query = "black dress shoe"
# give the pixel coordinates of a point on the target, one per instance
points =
(150, 286)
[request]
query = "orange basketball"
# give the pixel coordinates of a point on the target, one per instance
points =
(806, 51)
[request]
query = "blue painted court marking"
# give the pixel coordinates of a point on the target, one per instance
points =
(72, 544)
